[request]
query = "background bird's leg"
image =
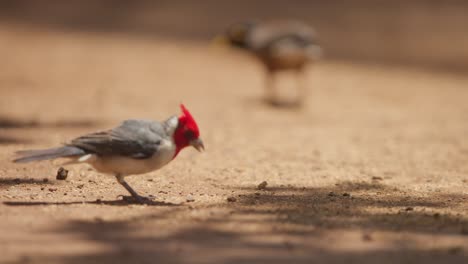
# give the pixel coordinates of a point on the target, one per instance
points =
(302, 85)
(135, 195)
(270, 87)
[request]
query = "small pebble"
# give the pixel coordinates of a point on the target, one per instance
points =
(346, 194)
(190, 199)
(262, 185)
(62, 174)
(377, 178)
(52, 189)
(45, 180)
(366, 237)
(80, 186)
(231, 199)
(409, 209)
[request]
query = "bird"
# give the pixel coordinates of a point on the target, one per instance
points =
(134, 147)
(280, 46)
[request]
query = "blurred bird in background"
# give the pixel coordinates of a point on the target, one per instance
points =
(280, 46)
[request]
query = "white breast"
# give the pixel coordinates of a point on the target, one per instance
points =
(129, 166)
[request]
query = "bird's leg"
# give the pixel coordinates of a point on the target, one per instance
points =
(271, 93)
(135, 196)
(302, 89)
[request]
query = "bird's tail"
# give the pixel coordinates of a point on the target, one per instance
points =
(47, 154)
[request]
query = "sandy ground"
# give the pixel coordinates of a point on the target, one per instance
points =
(373, 170)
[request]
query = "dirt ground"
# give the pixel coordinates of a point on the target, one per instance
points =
(373, 170)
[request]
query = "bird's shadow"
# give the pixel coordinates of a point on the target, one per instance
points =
(12, 123)
(18, 181)
(124, 201)
(95, 202)
(4, 140)
(281, 104)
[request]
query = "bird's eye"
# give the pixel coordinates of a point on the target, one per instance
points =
(189, 134)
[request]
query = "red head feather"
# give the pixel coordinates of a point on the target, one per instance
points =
(186, 131)
(188, 121)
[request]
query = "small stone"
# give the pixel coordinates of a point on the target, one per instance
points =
(98, 201)
(377, 178)
(52, 189)
(45, 180)
(346, 194)
(80, 186)
(62, 174)
(436, 215)
(150, 180)
(366, 237)
(231, 199)
(262, 185)
(190, 199)
(407, 209)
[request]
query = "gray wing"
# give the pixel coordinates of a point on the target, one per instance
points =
(137, 139)
(291, 33)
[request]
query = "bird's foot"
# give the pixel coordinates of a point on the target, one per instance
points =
(284, 104)
(138, 199)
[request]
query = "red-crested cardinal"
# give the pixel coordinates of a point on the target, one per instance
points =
(134, 147)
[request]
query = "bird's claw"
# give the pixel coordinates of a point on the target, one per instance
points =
(284, 104)
(137, 199)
